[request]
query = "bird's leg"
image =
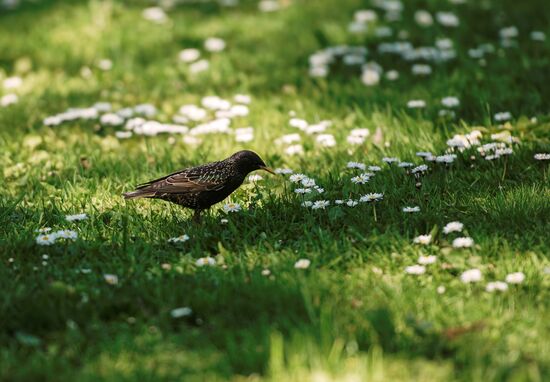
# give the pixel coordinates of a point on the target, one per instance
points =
(197, 216)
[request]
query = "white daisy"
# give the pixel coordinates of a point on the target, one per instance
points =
(283, 171)
(320, 204)
(179, 239)
(46, 239)
(411, 209)
(214, 44)
(76, 217)
(515, 278)
(181, 312)
(297, 178)
(415, 269)
(453, 227)
(358, 165)
(361, 179)
(189, 55)
(463, 242)
(352, 203)
(423, 239)
(110, 279)
(542, 156)
(425, 260)
(205, 261)
(471, 276)
(372, 197)
(302, 264)
(231, 207)
(495, 286)
(66, 234)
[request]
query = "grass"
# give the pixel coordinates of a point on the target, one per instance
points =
(354, 314)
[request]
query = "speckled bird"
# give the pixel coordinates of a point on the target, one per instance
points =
(200, 187)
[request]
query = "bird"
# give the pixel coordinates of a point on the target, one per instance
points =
(200, 187)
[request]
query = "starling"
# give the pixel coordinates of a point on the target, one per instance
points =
(200, 187)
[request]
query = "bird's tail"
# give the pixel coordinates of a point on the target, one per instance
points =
(138, 194)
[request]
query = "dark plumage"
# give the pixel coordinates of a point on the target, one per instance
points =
(200, 187)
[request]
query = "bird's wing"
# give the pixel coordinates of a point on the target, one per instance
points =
(203, 178)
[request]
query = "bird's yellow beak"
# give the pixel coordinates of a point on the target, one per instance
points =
(268, 170)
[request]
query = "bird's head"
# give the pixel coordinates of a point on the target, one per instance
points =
(248, 161)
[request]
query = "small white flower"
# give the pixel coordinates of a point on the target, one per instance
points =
(375, 168)
(199, 66)
(43, 230)
(372, 197)
(463, 242)
(302, 190)
(423, 239)
(110, 279)
(111, 119)
(308, 182)
(390, 160)
(46, 239)
(297, 178)
(320, 204)
(155, 15)
(307, 204)
(405, 164)
(415, 269)
(503, 116)
(189, 55)
(416, 104)
(370, 77)
(302, 264)
(358, 165)
(542, 156)
(440, 289)
(255, 178)
(515, 278)
(471, 276)
(283, 171)
(179, 239)
(421, 70)
(105, 64)
(361, 179)
(231, 207)
(352, 203)
(224, 221)
(450, 102)
(214, 44)
(447, 19)
(425, 260)
(76, 217)
(8, 99)
(266, 272)
(205, 261)
(494, 286)
(453, 227)
(181, 312)
(66, 234)
(12, 82)
(411, 209)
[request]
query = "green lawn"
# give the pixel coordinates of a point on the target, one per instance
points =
(102, 306)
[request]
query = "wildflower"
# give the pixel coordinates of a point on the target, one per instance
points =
(471, 276)
(298, 123)
(392, 75)
(214, 44)
(181, 312)
(421, 70)
(294, 150)
(423, 239)
(370, 77)
(503, 116)
(372, 197)
(447, 19)
(425, 260)
(450, 102)
(110, 279)
(307, 204)
(189, 55)
(205, 261)
(440, 289)
(297, 178)
(326, 140)
(499, 286)
(448, 158)
(411, 209)
(361, 179)
(515, 278)
(375, 168)
(43, 230)
(12, 82)
(538, 36)
(424, 154)
(302, 264)
(266, 272)
(155, 14)
(76, 217)
(415, 269)
(179, 239)
(199, 66)
(8, 99)
(111, 119)
(302, 190)
(66, 234)
(224, 221)
(308, 182)
(352, 203)
(320, 204)
(254, 178)
(453, 227)
(105, 64)
(242, 98)
(416, 104)
(231, 207)
(542, 156)
(46, 239)
(358, 165)
(423, 18)
(283, 171)
(463, 242)
(405, 164)
(389, 160)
